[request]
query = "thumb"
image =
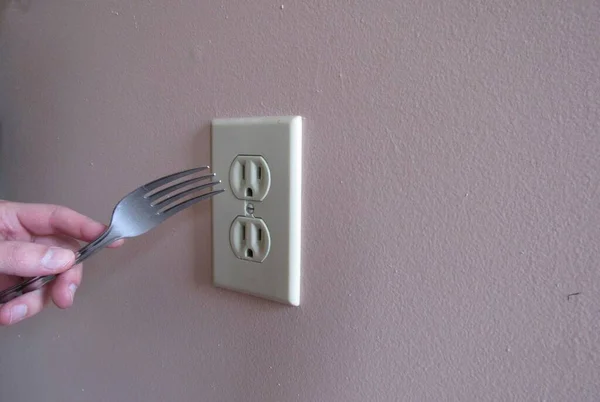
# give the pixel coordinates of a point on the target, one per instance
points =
(31, 259)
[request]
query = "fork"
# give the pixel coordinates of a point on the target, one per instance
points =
(137, 213)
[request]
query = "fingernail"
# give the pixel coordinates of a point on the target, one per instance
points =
(56, 258)
(18, 312)
(72, 289)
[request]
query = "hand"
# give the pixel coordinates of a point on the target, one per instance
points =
(38, 240)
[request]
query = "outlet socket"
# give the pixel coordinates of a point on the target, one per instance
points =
(263, 154)
(250, 177)
(250, 239)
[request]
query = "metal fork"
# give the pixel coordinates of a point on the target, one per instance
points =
(137, 213)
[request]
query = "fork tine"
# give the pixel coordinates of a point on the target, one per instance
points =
(168, 190)
(185, 193)
(153, 185)
(180, 207)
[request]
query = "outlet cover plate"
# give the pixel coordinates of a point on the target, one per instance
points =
(279, 141)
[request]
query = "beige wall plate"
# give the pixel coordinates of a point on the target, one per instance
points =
(257, 221)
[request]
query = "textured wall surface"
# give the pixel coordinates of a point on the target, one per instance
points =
(452, 197)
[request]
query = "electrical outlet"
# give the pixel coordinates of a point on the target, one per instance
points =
(250, 239)
(257, 223)
(250, 177)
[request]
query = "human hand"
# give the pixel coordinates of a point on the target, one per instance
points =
(37, 240)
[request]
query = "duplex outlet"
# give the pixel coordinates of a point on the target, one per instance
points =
(257, 224)
(250, 177)
(250, 239)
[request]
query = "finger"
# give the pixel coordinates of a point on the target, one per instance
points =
(63, 288)
(31, 259)
(57, 241)
(45, 220)
(23, 307)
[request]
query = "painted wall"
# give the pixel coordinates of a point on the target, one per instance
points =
(452, 195)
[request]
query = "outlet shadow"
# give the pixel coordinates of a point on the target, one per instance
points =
(203, 217)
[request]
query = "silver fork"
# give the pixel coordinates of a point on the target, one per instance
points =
(137, 213)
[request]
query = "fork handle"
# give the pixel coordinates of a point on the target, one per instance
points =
(35, 283)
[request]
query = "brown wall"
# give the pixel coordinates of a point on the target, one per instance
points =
(452, 195)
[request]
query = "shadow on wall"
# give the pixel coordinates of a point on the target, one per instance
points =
(3, 6)
(2, 190)
(203, 221)
(22, 5)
